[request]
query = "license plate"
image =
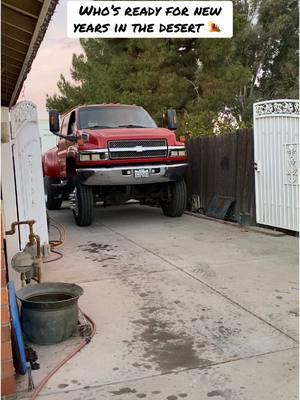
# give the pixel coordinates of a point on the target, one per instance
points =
(141, 173)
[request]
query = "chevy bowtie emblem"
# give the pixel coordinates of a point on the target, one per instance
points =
(138, 149)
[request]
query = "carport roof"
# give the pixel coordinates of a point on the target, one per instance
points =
(23, 26)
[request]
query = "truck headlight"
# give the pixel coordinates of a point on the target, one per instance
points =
(93, 156)
(84, 157)
(96, 157)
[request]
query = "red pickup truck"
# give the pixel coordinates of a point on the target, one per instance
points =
(113, 153)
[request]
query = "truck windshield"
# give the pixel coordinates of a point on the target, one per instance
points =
(114, 117)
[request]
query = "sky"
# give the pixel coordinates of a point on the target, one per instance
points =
(53, 58)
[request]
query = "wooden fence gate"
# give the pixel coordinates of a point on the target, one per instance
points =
(223, 165)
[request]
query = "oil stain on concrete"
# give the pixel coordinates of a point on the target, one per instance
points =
(94, 248)
(125, 390)
(62, 385)
(224, 394)
(168, 349)
(98, 252)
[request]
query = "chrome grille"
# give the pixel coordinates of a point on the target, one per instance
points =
(147, 148)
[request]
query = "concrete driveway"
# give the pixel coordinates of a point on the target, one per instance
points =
(185, 309)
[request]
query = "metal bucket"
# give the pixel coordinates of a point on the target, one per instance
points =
(49, 312)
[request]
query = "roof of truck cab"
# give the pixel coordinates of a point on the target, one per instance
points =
(108, 104)
(100, 105)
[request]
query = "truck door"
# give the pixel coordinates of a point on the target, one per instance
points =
(62, 147)
(68, 128)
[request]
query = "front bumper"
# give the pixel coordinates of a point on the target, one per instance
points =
(125, 175)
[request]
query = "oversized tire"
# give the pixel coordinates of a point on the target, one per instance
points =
(176, 206)
(83, 204)
(54, 197)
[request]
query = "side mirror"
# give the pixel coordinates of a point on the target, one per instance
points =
(171, 120)
(53, 121)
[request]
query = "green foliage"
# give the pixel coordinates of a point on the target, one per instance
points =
(211, 82)
(198, 123)
(203, 123)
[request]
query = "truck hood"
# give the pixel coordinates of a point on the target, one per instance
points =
(98, 138)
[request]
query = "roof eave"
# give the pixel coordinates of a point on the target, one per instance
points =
(46, 13)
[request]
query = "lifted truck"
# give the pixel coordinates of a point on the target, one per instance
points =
(113, 153)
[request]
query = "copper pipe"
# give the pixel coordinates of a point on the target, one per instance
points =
(29, 223)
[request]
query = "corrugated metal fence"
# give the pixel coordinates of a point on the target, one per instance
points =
(223, 165)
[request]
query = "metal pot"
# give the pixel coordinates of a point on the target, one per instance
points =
(49, 312)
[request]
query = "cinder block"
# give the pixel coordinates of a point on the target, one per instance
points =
(6, 353)
(7, 368)
(4, 297)
(5, 332)
(3, 278)
(5, 317)
(8, 386)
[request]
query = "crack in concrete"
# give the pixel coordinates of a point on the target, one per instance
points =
(117, 277)
(203, 283)
(127, 381)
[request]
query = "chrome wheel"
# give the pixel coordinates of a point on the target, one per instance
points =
(74, 202)
(82, 204)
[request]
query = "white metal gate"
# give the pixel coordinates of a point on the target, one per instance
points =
(276, 155)
(26, 149)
